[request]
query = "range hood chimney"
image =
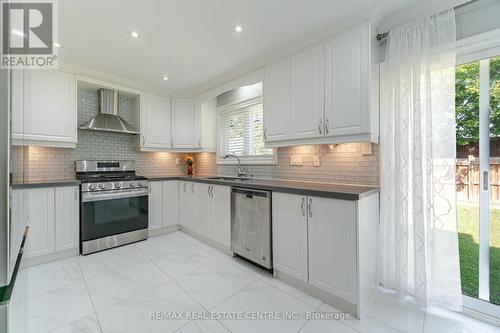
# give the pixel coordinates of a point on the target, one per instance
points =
(107, 119)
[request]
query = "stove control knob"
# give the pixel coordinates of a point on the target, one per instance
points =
(118, 185)
(102, 186)
(140, 184)
(92, 187)
(132, 184)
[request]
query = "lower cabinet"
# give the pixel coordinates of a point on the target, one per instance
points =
(206, 210)
(67, 218)
(315, 241)
(290, 235)
(52, 215)
(163, 204)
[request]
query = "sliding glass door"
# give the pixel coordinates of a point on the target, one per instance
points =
(478, 182)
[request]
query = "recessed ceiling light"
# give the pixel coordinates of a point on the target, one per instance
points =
(238, 28)
(56, 44)
(164, 78)
(134, 34)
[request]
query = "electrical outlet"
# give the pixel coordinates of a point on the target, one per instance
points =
(296, 160)
(177, 161)
(316, 161)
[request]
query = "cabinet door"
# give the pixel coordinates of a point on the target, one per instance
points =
(221, 214)
(290, 234)
(17, 105)
(67, 207)
(155, 122)
(332, 246)
(277, 101)
(50, 108)
(183, 204)
(182, 123)
(307, 93)
(191, 205)
(39, 204)
(347, 110)
(170, 203)
(17, 224)
(155, 205)
(202, 210)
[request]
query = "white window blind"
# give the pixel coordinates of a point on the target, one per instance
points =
(242, 131)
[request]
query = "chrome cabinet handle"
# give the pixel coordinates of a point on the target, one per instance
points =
(192, 188)
(208, 190)
(302, 206)
(320, 126)
(265, 133)
(310, 207)
(76, 194)
(326, 126)
(143, 140)
(199, 142)
(184, 187)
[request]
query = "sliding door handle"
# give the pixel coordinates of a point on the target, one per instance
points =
(486, 181)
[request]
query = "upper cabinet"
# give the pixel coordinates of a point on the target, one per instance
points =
(307, 94)
(155, 122)
(324, 94)
(277, 101)
(347, 86)
(44, 108)
(183, 123)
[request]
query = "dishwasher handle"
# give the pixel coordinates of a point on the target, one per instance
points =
(250, 193)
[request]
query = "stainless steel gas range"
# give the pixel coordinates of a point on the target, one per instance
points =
(114, 205)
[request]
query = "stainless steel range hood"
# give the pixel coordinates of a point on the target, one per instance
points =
(107, 119)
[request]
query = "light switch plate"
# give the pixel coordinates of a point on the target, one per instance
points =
(316, 161)
(296, 160)
(177, 161)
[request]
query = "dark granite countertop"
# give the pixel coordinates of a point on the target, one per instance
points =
(327, 190)
(39, 183)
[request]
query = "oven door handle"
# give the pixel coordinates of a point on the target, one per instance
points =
(110, 195)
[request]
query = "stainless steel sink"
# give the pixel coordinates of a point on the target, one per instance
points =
(241, 179)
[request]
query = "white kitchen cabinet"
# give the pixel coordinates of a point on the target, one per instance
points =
(44, 108)
(221, 214)
(290, 235)
(17, 225)
(183, 123)
(328, 246)
(155, 203)
(39, 209)
(183, 204)
(203, 209)
(332, 93)
(332, 246)
(277, 101)
(307, 93)
(67, 218)
(347, 83)
(170, 203)
(155, 122)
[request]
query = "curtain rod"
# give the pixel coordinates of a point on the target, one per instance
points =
(385, 34)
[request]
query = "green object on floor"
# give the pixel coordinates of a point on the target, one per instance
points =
(468, 228)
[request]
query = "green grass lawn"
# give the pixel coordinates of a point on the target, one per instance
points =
(468, 228)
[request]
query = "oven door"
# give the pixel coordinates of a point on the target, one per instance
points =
(110, 213)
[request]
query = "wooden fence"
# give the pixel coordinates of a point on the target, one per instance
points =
(467, 180)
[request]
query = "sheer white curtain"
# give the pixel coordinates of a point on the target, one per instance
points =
(418, 233)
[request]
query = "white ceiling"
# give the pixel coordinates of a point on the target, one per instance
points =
(192, 41)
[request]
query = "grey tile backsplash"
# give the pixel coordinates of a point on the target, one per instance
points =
(342, 163)
(42, 163)
(345, 163)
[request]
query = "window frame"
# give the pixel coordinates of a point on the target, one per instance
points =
(245, 160)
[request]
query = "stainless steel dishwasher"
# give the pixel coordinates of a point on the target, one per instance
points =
(251, 225)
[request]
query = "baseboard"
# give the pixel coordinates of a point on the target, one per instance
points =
(208, 241)
(164, 231)
(334, 301)
(29, 262)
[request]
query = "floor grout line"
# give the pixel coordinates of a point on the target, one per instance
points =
(90, 296)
